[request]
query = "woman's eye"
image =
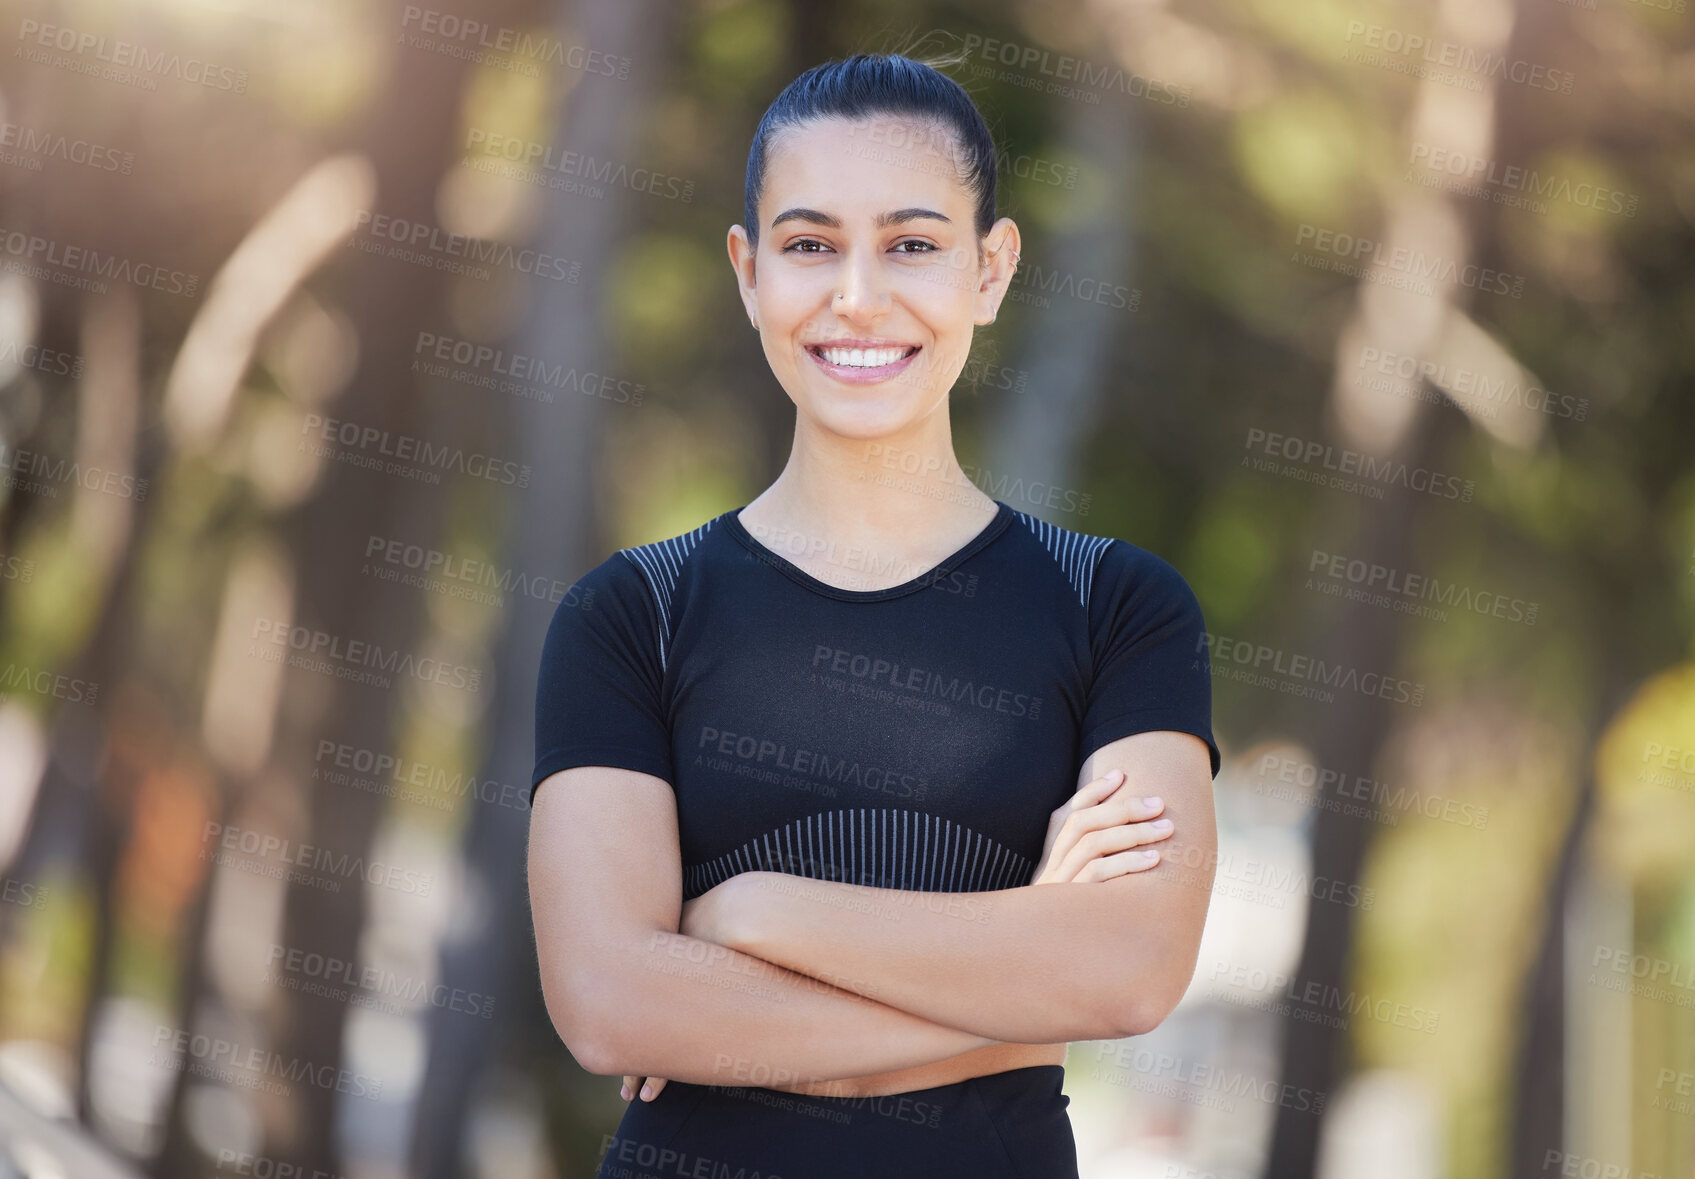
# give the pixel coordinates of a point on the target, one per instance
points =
(800, 247)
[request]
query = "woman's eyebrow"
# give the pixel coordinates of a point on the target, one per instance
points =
(882, 221)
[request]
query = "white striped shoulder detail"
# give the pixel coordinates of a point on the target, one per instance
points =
(661, 565)
(1077, 553)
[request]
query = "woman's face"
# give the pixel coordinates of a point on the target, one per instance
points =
(869, 276)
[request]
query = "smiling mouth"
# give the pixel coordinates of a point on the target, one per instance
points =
(862, 357)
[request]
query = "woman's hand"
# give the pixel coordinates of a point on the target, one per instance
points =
(1098, 834)
(650, 1087)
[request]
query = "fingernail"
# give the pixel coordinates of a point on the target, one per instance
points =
(1152, 855)
(1154, 801)
(1162, 824)
(1115, 773)
(624, 1092)
(647, 1092)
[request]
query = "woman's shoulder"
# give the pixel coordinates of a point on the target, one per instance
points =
(1138, 582)
(642, 581)
(1109, 567)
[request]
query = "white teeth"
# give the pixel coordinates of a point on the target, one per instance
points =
(863, 357)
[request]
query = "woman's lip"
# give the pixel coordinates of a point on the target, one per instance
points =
(856, 375)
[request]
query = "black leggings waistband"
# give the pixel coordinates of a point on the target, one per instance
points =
(1005, 1125)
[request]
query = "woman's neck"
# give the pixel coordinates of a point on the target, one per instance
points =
(906, 505)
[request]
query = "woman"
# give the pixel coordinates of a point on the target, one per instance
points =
(796, 801)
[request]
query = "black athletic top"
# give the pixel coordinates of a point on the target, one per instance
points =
(911, 737)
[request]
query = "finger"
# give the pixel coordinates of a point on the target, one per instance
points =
(1094, 791)
(1117, 810)
(652, 1088)
(1088, 794)
(629, 1089)
(1105, 817)
(1106, 841)
(1120, 864)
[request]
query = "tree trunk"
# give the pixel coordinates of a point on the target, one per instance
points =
(555, 536)
(1036, 435)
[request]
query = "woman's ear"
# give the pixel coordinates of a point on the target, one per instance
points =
(1001, 247)
(742, 259)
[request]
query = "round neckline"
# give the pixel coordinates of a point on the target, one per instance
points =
(1002, 517)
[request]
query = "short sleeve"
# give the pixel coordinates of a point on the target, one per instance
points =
(1147, 641)
(599, 687)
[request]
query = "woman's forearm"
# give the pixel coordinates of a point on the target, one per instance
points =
(674, 1006)
(1038, 964)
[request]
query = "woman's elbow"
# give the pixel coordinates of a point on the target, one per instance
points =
(1139, 1015)
(1137, 1008)
(593, 1034)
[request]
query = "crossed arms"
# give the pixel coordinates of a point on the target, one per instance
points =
(815, 979)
